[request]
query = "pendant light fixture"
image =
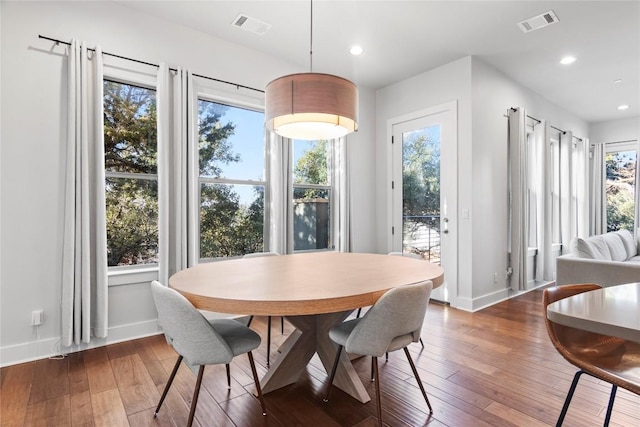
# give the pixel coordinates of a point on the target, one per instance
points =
(311, 106)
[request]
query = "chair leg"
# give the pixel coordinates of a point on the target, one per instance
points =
(257, 381)
(358, 313)
(373, 378)
(228, 376)
(327, 392)
(196, 393)
(612, 397)
(567, 400)
(415, 373)
(166, 387)
(268, 340)
(374, 362)
(282, 325)
(250, 320)
(421, 343)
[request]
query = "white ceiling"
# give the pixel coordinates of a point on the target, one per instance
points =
(404, 38)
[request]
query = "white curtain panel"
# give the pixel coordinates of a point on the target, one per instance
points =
(567, 211)
(597, 196)
(84, 261)
(177, 197)
(518, 212)
(342, 208)
(574, 207)
(545, 265)
(281, 194)
(581, 162)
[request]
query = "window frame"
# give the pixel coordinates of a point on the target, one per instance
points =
(330, 187)
(616, 147)
(136, 273)
(209, 93)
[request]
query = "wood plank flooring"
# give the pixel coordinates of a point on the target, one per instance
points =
(495, 367)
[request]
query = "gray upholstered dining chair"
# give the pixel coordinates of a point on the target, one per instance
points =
(200, 342)
(256, 255)
(392, 323)
(408, 255)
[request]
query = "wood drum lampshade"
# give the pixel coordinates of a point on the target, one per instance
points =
(311, 106)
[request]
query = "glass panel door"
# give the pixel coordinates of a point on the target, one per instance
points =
(424, 195)
(421, 192)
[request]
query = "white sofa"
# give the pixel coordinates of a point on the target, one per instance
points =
(606, 259)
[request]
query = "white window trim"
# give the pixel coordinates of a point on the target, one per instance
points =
(207, 90)
(125, 275)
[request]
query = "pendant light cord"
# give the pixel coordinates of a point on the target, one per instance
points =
(311, 41)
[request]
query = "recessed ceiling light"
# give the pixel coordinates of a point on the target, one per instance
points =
(617, 81)
(356, 50)
(568, 60)
(623, 107)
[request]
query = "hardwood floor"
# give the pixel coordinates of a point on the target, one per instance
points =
(495, 367)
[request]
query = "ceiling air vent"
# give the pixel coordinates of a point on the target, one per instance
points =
(538, 22)
(251, 24)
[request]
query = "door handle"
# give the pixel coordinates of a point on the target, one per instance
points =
(445, 227)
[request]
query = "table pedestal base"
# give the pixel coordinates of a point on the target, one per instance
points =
(312, 336)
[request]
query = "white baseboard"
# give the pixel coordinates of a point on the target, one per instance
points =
(475, 304)
(40, 349)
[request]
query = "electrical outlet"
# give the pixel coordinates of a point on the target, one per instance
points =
(37, 317)
(495, 277)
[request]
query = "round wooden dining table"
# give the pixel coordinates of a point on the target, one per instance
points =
(314, 291)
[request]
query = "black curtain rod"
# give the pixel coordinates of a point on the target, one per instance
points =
(56, 41)
(551, 126)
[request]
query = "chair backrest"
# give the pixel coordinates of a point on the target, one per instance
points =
(572, 342)
(407, 254)
(260, 254)
(187, 330)
(400, 311)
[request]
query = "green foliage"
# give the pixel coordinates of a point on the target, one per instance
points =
(213, 145)
(620, 190)
(312, 168)
(132, 218)
(130, 135)
(130, 131)
(227, 228)
(420, 176)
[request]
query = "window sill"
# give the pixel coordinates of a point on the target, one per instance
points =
(130, 275)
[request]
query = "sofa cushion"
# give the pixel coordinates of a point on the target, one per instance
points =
(628, 242)
(591, 248)
(616, 247)
(635, 259)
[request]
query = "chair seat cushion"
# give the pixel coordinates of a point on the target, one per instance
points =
(239, 338)
(340, 334)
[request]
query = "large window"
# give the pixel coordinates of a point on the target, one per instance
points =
(231, 149)
(312, 194)
(620, 186)
(130, 138)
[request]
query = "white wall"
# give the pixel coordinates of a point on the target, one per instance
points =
(615, 130)
(493, 93)
(31, 153)
(432, 88)
(483, 96)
